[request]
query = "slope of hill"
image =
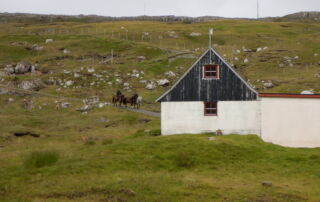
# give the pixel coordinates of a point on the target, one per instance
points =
(303, 16)
(65, 144)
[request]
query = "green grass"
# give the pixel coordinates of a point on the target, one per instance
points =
(41, 159)
(175, 168)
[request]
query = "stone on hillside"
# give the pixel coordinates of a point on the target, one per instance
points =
(195, 34)
(150, 86)
(265, 48)
(119, 81)
(170, 74)
(238, 51)
(259, 49)
(307, 92)
(268, 85)
(77, 75)
(317, 75)
(172, 34)
(296, 57)
(163, 82)
(22, 68)
(94, 100)
(266, 184)
(66, 51)
(281, 65)
(65, 105)
(126, 84)
(145, 33)
(142, 81)
(211, 138)
(141, 58)
(34, 85)
(236, 58)
(49, 40)
(246, 60)
(36, 47)
(85, 108)
(9, 69)
(315, 55)
(10, 100)
(69, 83)
(110, 83)
(102, 104)
(91, 70)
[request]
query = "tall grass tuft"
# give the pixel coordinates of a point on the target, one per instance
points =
(39, 159)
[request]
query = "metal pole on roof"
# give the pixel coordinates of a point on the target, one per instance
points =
(210, 41)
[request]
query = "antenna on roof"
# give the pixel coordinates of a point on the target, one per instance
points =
(210, 36)
(258, 10)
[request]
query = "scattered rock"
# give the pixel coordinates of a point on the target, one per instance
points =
(85, 108)
(266, 184)
(126, 84)
(36, 47)
(315, 55)
(66, 51)
(91, 70)
(141, 58)
(268, 85)
(9, 69)
(246, 60)
(77, 75)
(22, 68)
(211, 138)
(163, 82)
(170, 74)
(172, 34)
(34, 85)
(65, 105)
(265, 48)
(10, 100)
(259, 49)
(69, 83)
(94, 100)
(317, 75)
(238, 51)
(195, 34)
(281, 65)
(150, 86)
(143, 81)
(49, 40)
(236, 58)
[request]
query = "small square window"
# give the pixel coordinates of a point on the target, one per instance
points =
(210, 108)
(211, 71)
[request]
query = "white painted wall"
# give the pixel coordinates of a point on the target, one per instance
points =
(293, 122)
(234, 117)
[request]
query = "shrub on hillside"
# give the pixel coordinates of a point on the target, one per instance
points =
(40, 159)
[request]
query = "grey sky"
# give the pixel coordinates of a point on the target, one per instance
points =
(224, 8)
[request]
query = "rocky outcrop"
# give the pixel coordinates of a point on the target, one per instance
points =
(33, 85)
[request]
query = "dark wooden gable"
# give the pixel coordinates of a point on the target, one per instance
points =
(192, 87)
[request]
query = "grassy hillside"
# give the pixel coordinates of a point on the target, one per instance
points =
(108, 154)
(145, 168)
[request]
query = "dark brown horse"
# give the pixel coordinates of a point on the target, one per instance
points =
(135, 101)
(117, 98)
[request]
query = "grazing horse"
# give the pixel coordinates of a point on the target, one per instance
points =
(135, 100)
(139, 101)
(117, 98)
(123, 100)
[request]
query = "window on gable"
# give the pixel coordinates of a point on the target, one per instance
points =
(210, 108)
(211, 71)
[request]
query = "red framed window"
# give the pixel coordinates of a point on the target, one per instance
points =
(211, 71)
(210, 108)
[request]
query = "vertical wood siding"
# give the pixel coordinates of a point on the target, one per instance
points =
(193, 88)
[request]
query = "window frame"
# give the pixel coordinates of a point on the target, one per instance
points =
(211, 108)
(204, 71)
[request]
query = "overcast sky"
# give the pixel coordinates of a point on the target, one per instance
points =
(224, 8)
